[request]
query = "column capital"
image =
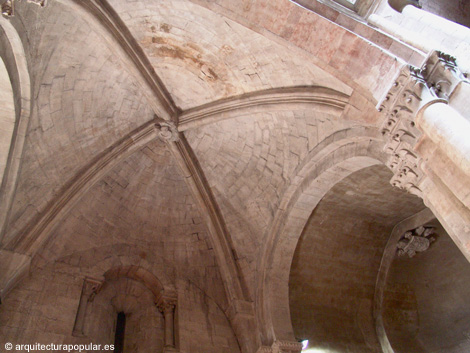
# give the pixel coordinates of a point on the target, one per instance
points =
(8, 7)
(286, 347)
(442, 74)
(91, 287)
(412, 91)
(281, 346)
(166, 304)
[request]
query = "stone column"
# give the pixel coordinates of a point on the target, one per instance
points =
(449, 130)
(90, 288)
(428, 142)
(418, 28)
(167, 307)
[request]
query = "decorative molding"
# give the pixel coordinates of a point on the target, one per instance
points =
(279, 98)
(221, 242)
(413, 90)
(286, 347)
(400, 107)
(281, 347)
(220, 238)
(414, 241)
(264, 349)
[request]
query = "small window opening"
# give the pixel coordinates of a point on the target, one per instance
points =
(119, 335)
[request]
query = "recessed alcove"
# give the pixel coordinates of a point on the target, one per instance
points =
(336, 262)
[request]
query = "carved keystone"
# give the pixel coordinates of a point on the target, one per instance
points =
(167, 131)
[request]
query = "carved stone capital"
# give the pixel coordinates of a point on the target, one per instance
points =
(166, 305)
(167, 131)
(286, 347)
(91, 287)
(413, 90)
(8, 6)
(442, 74)
(400, 106)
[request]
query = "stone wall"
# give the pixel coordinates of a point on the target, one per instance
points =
(43, 309)
(424, 308)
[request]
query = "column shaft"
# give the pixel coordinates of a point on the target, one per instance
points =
(449, 130)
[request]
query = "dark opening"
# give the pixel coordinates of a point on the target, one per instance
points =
(119, 336)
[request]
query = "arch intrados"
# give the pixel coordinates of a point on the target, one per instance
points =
(13, 55)
(346, 153)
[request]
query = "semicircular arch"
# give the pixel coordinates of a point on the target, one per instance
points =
(13, 55)
(335, 158)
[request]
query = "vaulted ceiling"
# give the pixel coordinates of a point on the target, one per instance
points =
(185, 129)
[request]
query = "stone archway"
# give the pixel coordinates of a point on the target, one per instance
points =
(337, 157)
(136, 293)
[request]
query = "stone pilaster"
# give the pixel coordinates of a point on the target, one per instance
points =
(242, 319)
(286, 347)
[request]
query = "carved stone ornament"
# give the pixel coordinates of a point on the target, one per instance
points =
(91, 288)
(400, 106)
(414, 241)
(166, 305)
(8, 6)
(442, 74)
(287, 347)
(167, 131)
(412, 90)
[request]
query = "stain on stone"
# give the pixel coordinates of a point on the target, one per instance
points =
(165, 27)
(158, 40)
(188, 52)
(195, 59)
